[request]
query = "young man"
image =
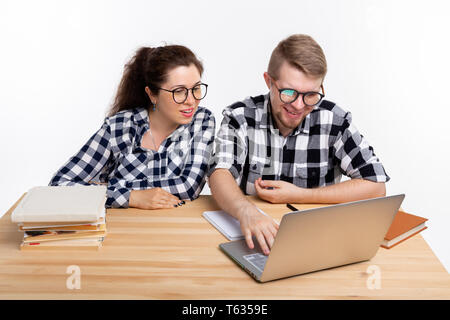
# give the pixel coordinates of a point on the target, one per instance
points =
(290, 145)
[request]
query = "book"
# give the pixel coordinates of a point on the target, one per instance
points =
(62, 228)
(65, 244)
(50, 235)
(228, 225)
(61, 204)
(87, 225)
(404, 226)
(62, 217)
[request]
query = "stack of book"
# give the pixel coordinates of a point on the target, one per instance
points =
(62, 216)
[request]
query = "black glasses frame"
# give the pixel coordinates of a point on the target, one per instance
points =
(298, 93)
(187, 92)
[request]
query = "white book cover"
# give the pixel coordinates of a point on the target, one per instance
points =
(51, 224)
(225, 223)
(61, 204)
(228, 225)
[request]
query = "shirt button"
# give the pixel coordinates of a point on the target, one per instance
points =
(180, 153)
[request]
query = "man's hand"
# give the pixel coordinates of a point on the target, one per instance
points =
(277, 191)
(230, 198)
(254, 223)
(155, 198)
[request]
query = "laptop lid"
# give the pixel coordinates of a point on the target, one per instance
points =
(322, 238)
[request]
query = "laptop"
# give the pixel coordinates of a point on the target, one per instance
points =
(319, 238)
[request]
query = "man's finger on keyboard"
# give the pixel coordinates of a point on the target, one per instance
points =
(248, 238)
(262, 242)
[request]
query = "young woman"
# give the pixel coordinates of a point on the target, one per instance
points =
(153, 149)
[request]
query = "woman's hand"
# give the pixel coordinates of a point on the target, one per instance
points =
(155, 198)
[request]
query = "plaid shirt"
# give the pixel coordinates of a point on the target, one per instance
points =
(114, 155)
(324, 146)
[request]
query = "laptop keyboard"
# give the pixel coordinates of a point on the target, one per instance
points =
(258, 260)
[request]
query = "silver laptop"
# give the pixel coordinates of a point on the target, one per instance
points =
(319, 238)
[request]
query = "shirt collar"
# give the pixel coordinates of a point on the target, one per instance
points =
(141, 119)
(140, 116)
(179, 134)
(266, 116)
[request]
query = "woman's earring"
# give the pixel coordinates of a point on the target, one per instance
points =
(154, 107)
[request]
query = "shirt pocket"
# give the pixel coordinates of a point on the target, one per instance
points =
(310, 176)
(257, 170)
(177, 158)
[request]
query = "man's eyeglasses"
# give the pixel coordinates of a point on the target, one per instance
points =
(310, 98)
(180, 95)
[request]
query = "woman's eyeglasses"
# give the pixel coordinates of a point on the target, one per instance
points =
(180, 95)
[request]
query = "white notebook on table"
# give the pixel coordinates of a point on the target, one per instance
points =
(225, 223)
(228, 225)
(61, 204)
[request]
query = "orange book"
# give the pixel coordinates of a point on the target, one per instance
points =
(92, 227)
(404, 226)
(64, 235)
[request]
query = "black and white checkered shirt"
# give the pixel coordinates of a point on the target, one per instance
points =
(114, 155)
(324, 146)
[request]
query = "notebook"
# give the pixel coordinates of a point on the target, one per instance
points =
(226, 223)
(61, 204)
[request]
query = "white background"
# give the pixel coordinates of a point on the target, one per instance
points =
(388, 61)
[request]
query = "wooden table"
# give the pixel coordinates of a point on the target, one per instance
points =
(174, 254)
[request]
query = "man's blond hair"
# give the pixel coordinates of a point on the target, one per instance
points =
(302, 52)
